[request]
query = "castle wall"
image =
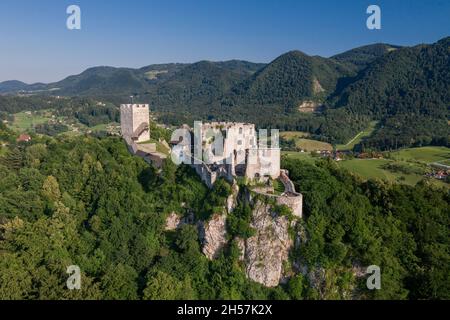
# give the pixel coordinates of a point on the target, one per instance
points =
(263, 162)
(294, 202)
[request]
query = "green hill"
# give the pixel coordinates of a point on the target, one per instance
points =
(290, 79)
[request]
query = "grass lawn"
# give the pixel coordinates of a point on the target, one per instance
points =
(306, 144)
(161, 148)
(423, 154)
(305, 156)
(357, 139)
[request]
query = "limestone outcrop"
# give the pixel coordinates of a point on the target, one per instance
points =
(173, 222)
(266, 252)
(214, 235)
(265, 255)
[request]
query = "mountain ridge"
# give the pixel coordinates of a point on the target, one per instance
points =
(393, 85)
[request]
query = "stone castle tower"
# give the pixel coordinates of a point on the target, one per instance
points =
(134, 122)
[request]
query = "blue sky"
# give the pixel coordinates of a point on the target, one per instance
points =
(37, 46)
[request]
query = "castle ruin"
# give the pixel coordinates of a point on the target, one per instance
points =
(231, 150)
(215, 150)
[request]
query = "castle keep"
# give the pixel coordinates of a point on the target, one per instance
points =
(134, 122)
(135, 127)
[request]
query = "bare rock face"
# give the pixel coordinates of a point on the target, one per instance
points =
(241, 246)
(173, 222)
(232, 199)
(214, 235)
(264, 255)
(266, 252)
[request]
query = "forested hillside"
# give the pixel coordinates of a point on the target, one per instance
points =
(88, 202)
(409, 91)
(361, 57)
(405, 89)
(291, 78)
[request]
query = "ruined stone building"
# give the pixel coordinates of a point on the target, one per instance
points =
(232, 149)
(228, 149)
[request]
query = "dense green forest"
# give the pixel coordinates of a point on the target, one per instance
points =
(86, 201)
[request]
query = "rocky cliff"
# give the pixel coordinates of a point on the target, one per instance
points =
(266, 252)
(214, 235)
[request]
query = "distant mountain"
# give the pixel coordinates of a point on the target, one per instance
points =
(201, 82)
(14, 86)
(361, 57)
(405, 89)
(101, 81)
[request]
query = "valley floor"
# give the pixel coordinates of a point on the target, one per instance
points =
(417, 162)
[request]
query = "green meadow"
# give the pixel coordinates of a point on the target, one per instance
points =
(424, 154)
(25, 121)
(302, 142)
(358, 138)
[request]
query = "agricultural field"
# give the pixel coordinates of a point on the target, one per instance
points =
(25, 121)
(375, 169)
(404, 166)
(294, 134)
(424, 154)
(358, 138)
(301, 141)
